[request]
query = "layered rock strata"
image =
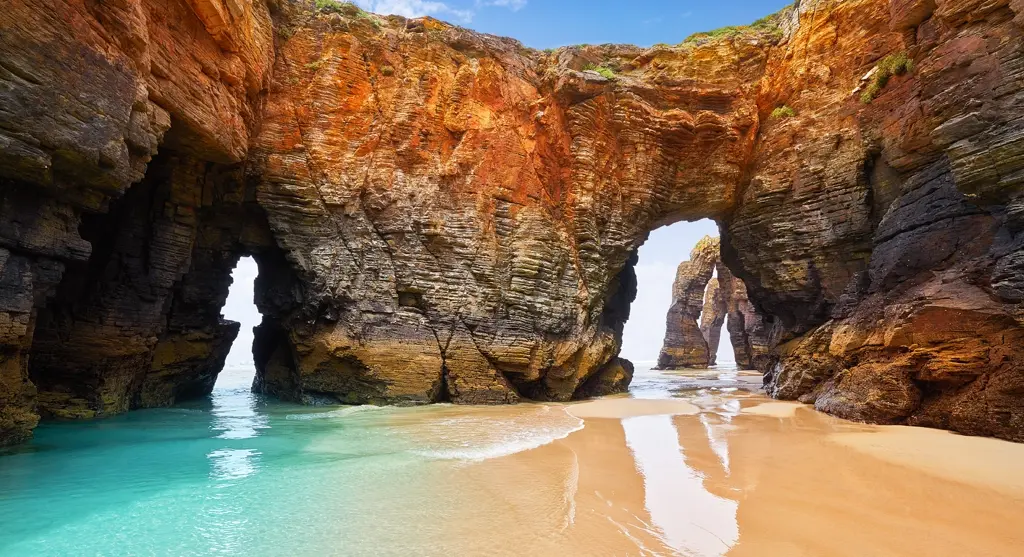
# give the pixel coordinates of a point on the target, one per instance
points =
(697, 295)
(685, 343)
(748, 331)
(443, 215)
(895, 225)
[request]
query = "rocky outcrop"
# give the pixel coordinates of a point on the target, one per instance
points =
(898, 215)
(748, 332)
(89, 93)
(696, 295)
(712, 318)
(685, 343)
(443, 215)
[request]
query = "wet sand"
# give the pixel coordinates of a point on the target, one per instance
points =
(724, 473)
(979, 461)
(775, 409)
(616, 407)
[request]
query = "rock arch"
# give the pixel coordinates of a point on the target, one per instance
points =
(440, 214)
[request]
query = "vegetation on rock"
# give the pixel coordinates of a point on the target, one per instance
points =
(335, 7)
(783, 112)
(769, 27)
(892, 65)
(604, 71)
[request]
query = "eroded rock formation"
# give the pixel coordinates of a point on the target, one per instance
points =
(443, 215)
(748, 332)
(712, 300)
(896, 226)
(685, 344)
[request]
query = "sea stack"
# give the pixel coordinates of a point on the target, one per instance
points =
(697, 295)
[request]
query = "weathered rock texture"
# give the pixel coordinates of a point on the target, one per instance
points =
(886, 239)
(696, 295)
(685, 343)
(748, 332)
(712, 318)
(443, 215)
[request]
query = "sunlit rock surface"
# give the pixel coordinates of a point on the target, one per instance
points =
(443, 215)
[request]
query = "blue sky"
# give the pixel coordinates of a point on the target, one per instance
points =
(554, 23)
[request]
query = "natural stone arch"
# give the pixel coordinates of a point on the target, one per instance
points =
(456, 217)
(138, 325)
(439, 254)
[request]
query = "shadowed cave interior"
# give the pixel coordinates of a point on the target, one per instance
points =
(139, 323)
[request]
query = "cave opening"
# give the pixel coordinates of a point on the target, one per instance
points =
(137, 322)
(658, 261)
(239, 366)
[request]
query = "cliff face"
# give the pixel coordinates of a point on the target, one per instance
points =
(91, 277)
(896, 225)
(443, 215)
(465, 213)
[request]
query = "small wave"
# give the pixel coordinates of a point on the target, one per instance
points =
(487, 438)
(340, 413)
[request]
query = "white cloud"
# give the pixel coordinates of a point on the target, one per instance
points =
(417, 8)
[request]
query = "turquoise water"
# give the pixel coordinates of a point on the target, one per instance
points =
(237, 475)
(241, 475)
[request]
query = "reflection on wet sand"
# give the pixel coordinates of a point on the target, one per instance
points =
(773, 482)
(802, 494)
(706, 524)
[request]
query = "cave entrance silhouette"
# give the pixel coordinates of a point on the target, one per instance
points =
(239, 367)
(139, 324)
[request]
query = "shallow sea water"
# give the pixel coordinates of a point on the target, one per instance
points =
(719, 470)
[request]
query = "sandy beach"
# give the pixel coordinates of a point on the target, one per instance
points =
(688, 464)
(732, 473)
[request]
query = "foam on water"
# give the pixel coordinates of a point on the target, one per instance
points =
(340, 413)
(450, 432)
(496, 432)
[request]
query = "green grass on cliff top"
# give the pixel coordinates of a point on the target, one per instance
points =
(769, 27)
